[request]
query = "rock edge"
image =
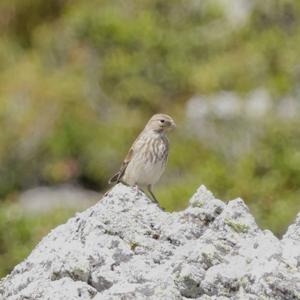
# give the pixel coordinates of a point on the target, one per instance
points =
(125, 247)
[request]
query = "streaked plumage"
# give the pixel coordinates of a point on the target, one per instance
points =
(147, 158)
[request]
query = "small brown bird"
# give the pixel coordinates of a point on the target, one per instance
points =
(147, 157)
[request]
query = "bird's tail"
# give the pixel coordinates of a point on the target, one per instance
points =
(114, 179)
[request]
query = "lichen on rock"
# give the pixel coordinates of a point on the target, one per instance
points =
(126, 247)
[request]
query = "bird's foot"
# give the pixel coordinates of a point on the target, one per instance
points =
(137, 189)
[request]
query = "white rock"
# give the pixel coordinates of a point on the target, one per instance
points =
(126, 247)
(258, 104)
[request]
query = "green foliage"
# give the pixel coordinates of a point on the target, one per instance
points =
(20, 233)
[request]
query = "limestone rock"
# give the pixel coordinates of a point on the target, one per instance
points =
(126, 247)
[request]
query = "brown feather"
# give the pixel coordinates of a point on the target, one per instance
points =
(148, 153)
(117, 177)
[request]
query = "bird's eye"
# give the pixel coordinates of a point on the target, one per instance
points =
(162, 121)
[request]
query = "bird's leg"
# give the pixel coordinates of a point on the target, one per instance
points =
(135, 186)
(152, 195)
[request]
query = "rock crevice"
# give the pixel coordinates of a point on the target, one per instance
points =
(125, 247)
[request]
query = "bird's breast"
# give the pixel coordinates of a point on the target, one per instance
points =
(149, 161)
(154, 149)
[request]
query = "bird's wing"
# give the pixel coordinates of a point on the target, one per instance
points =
(118, 176)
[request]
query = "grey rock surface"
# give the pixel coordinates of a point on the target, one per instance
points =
(126, 247)
(43, 199)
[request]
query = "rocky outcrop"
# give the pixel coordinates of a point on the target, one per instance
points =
(126, 247)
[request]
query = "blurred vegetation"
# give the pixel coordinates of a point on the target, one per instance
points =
(19, 233)
(78, 80)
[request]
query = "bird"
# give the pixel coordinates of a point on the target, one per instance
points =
(146, 160)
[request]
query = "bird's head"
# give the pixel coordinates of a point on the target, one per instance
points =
(160, 123)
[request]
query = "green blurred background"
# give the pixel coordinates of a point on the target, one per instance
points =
(79, 79)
